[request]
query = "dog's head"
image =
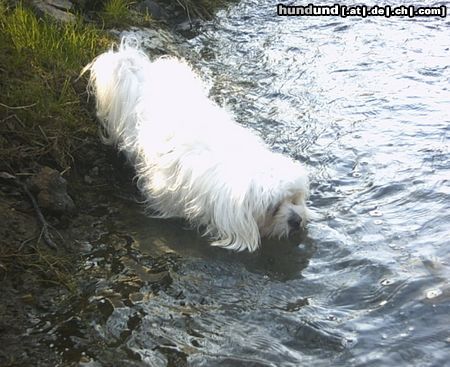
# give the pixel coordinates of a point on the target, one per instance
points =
(273, 206)
(286, 217)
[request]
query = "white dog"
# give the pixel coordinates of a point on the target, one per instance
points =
(192, 160)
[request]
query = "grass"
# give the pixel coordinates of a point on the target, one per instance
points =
(116, 13)
(41, 108)
(46, 268)
(50, 42)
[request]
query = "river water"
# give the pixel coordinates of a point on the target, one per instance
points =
(365, 104)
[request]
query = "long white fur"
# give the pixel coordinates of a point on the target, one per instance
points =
(192, 160)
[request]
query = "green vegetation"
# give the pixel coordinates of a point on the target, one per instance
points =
(41, 112)
(117, 13)
(49, 42)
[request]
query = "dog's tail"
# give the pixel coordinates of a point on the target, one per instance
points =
(116, 80)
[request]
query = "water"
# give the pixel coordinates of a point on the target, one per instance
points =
(365, 104)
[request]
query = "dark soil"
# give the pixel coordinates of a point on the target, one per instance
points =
(37, 281)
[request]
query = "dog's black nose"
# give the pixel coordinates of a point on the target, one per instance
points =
(294, 221)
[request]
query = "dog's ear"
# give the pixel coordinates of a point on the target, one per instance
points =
(238, 232)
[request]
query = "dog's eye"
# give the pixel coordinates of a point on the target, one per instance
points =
(296, 200)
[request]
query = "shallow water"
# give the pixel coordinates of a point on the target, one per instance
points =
(365, 103)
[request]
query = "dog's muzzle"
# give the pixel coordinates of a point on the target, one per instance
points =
(294, 222)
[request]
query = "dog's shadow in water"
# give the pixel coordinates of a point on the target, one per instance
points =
(277, 259)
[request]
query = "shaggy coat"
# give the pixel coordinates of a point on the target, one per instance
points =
(192, 160)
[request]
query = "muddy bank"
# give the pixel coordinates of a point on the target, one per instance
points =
(62, 183)
(39, 284)
(53, 299)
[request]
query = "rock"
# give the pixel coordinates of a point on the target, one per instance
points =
(58, 9)
(51, 190)
(60, 4)
(185, 26)
(188, 28)
(156, 42)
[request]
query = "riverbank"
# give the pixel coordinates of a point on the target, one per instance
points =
(50, 154)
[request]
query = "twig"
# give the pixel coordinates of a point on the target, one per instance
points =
(44, 231)
(18, 107)
(186, 9)
(23, 243)
(43, 132)
(15, 117)
(45, 234)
